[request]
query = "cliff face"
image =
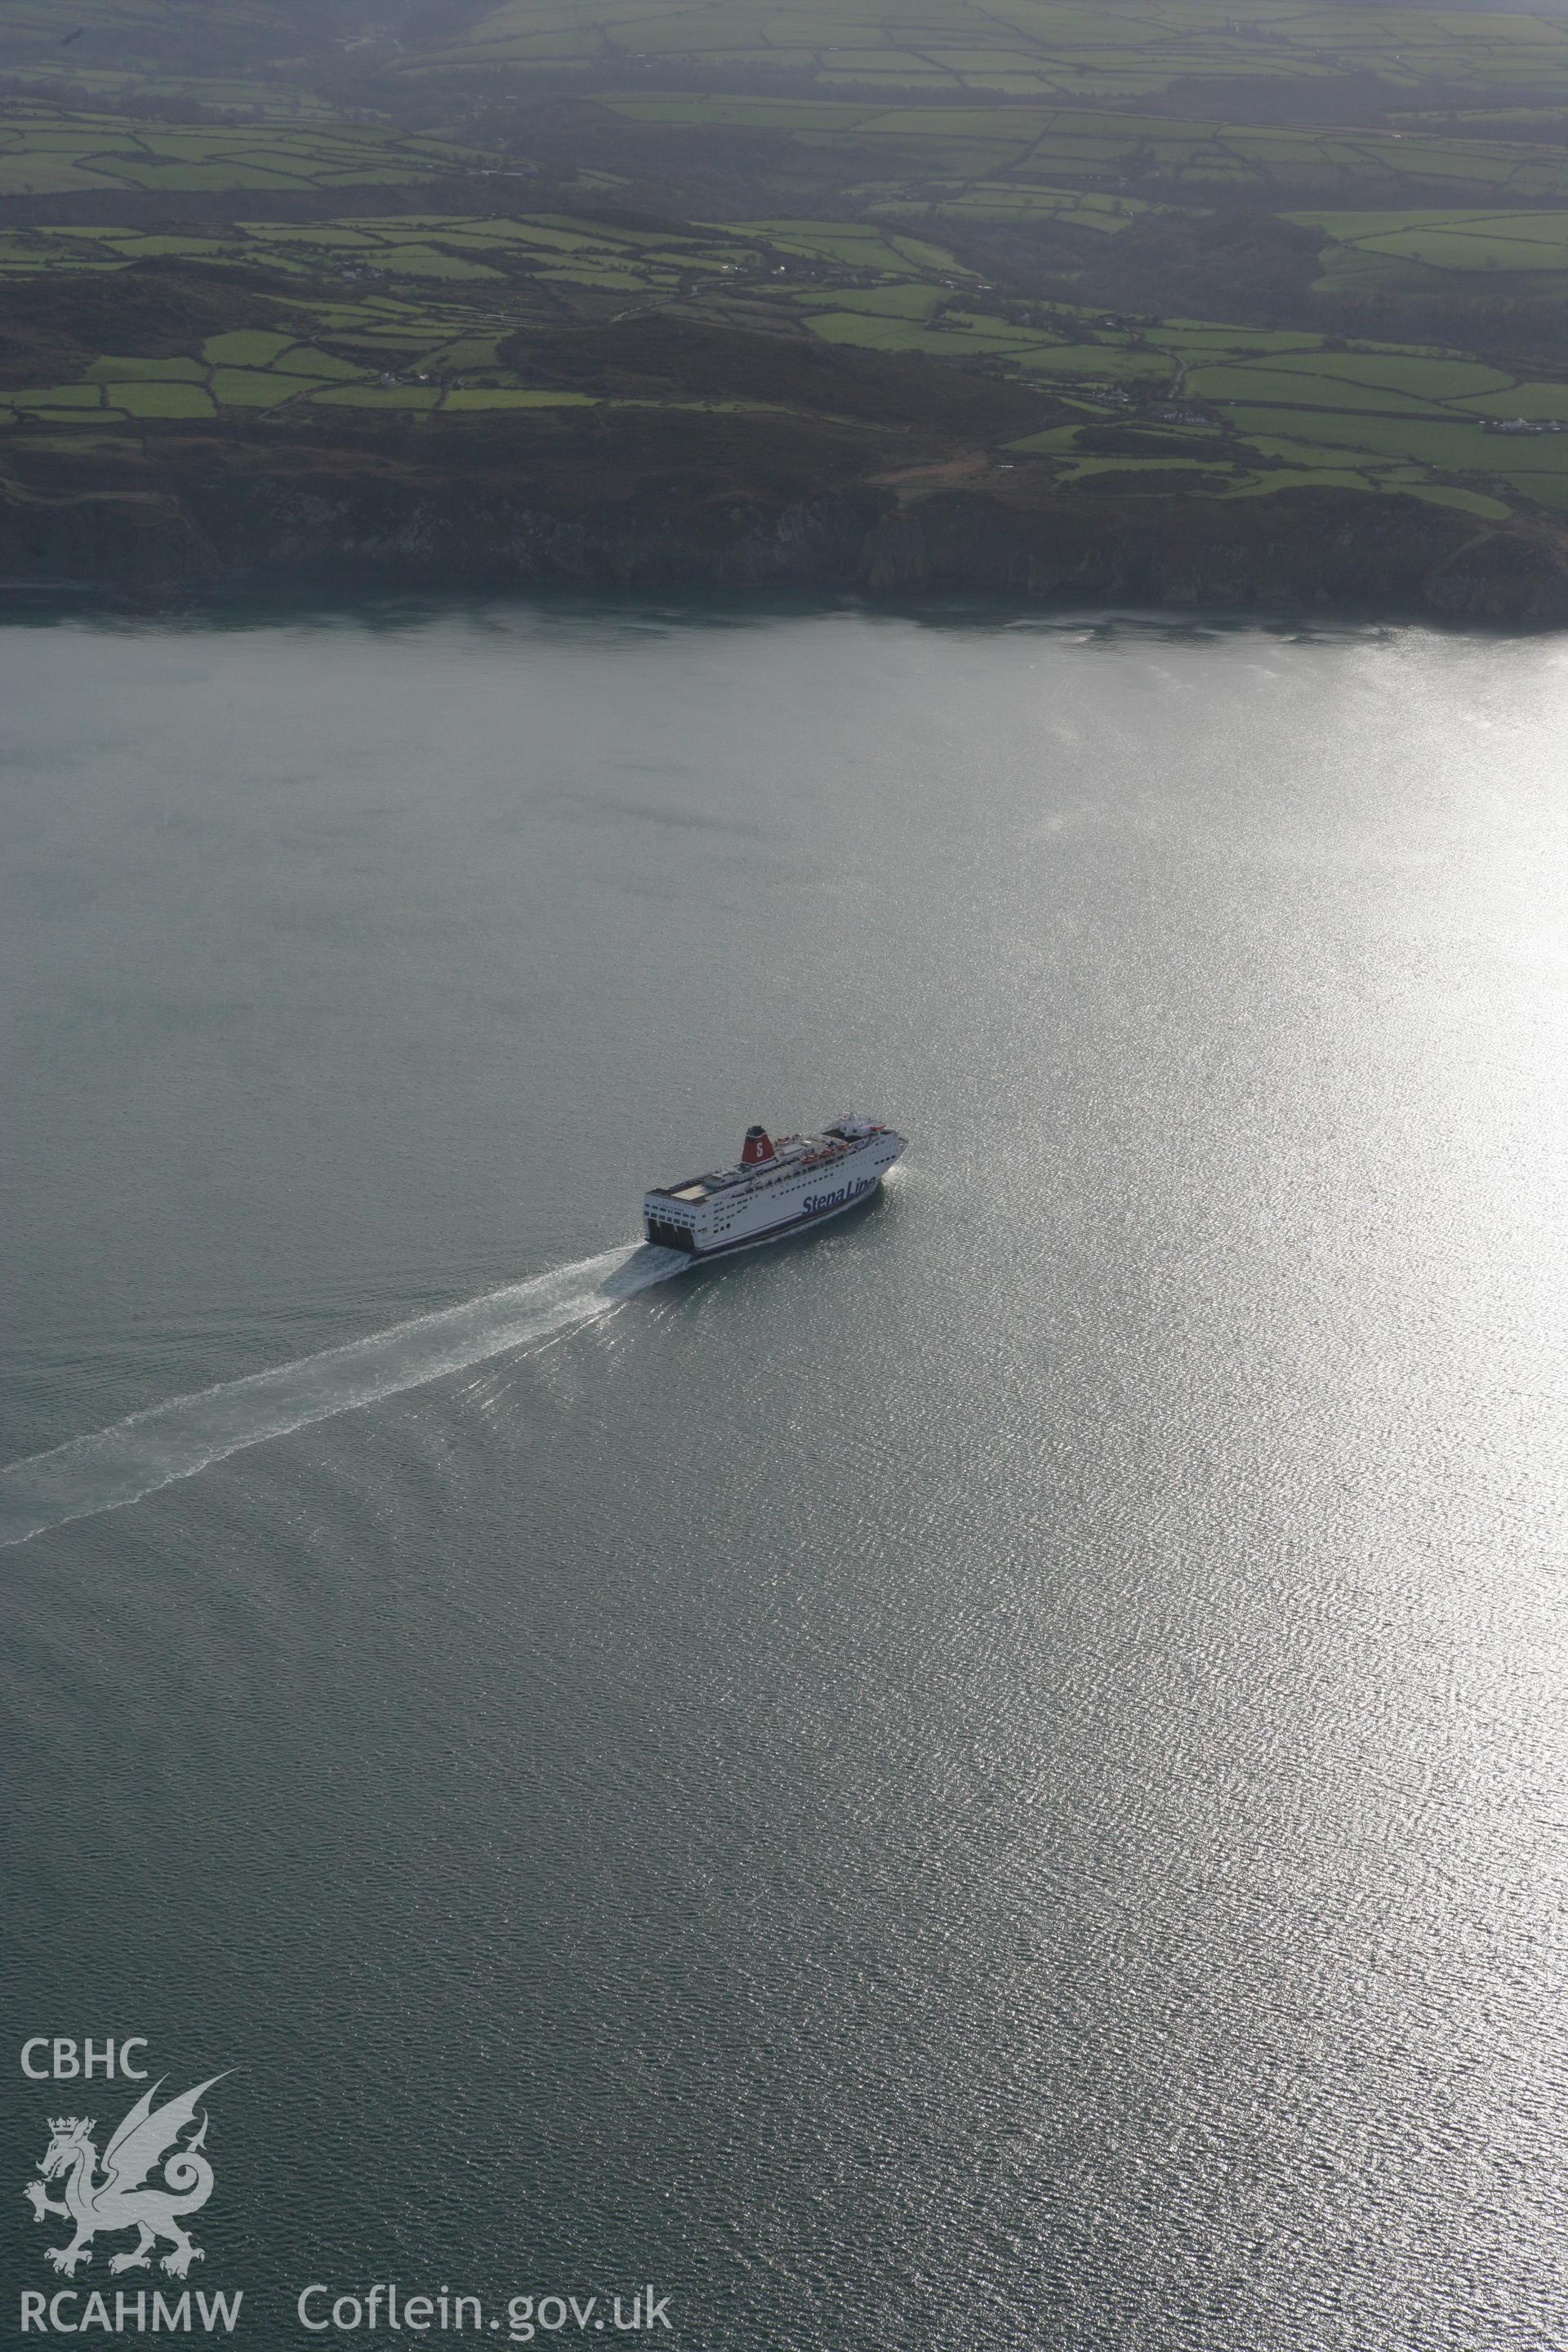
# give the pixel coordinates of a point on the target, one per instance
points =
(1311, 551)
(1329, 551)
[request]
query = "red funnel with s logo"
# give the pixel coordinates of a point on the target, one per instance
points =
(757, 1148)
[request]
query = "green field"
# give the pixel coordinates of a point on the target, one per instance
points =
(421, 325)
(1370, 256)
(142, 398)
(1288, 407)
(50, 151)
(474, 270)
(150, 90)
(1024, 143)
(892, 186)
(1000, 200)
(117, 368)
(234, 387)
(1451, 240)
(1017, 48)
(1405, 419)
(1120, 52)
(241, 54)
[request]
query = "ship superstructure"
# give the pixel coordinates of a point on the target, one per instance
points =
(776, 1188)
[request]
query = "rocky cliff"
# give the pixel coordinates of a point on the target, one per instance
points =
(224, 533)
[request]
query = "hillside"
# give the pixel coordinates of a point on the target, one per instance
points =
(1187, 302)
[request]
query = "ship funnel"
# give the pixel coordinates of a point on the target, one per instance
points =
(757, 1148)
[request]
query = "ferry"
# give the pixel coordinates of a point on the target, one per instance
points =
(774, 1189)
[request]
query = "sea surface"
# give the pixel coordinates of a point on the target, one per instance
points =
(990, 1781)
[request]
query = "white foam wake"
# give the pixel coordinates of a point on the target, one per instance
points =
(174, 1440)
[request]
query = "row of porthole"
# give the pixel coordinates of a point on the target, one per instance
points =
(724, 1227)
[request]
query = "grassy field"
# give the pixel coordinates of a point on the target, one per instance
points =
(407, 315)
(1368, 257)
(1420, 409)
(544, 250)
(525, 252)
(1018, 47)
(1293, 408)
(1023, 143)
(913, 123)
(50, 151)
(407, 312)
(112, 39)
(149, 90)
(1001, 200)
(1117, 51)
(1451, 240)
(247, 370)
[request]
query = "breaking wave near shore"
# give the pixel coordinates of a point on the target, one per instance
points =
(168, 1441)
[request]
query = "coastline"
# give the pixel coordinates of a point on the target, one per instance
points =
(194, 540)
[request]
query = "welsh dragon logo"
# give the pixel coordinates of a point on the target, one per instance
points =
(126, 2198)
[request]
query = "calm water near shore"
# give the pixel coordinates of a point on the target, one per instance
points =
(991, 1781)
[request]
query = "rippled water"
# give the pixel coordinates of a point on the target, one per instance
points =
(993, 1781)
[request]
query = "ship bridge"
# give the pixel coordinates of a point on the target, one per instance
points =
(763, 1158)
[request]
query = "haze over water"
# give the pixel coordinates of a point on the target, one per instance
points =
(993, 1780)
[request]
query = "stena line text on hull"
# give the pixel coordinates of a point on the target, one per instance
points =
(774, 1189)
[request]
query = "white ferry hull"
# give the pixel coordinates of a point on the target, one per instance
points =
(802, 1224)
(793, 1187)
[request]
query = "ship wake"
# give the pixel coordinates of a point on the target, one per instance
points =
(174, 1440)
